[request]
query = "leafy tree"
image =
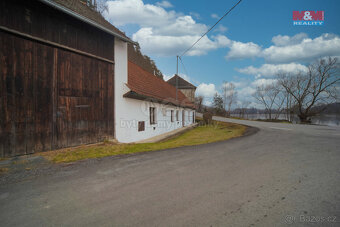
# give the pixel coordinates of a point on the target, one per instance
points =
(218, 104)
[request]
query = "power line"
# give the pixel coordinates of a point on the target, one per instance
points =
(210, 28)
(184, 66)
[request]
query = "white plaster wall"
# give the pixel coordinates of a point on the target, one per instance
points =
(137, 110)
(128, 112)
(121, 62)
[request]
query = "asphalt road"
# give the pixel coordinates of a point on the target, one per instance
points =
(284, 175)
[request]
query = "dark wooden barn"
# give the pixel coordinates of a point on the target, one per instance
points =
(56, 75)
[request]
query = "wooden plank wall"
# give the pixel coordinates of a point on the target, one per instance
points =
(25, 96)
(36, 19)
(50, 97)
(85, 99)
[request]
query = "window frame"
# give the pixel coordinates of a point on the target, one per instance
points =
(141, 126)
(152, 113)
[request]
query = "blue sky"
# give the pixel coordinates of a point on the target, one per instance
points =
(248, 47)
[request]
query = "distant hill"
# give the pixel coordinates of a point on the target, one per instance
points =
(333, 108)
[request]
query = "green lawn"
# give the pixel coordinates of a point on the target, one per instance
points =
(218, 131)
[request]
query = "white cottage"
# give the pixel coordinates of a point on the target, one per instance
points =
(145, 106)
(84, 90)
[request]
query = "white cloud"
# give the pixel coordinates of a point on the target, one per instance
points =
(286, 49)
(285, 40)
(240, 84)
(263, 82)
(163, 32)
(215, 16)
(306, 50)
(239, 50)
(165, 45)
(121, 12)
(183, 25)
(246, 92)
(206, 90)
(221, 29)
(246, 88)
(269, 70)
(164, 4)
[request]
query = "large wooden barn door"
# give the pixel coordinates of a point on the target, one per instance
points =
(25, 96)
(51, 98)
(85, 103)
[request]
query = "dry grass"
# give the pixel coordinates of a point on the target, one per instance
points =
(200, 135)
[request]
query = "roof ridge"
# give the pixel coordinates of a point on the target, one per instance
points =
(145, 83)
(186, 83)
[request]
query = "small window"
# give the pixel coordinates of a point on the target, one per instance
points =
(141, 126)
(188, 116)
(172, 116)
(152, 115)
(193, 117)
(177, 118)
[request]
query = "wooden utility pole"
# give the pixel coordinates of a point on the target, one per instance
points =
(177, 79)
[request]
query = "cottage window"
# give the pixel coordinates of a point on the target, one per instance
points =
(141, 126)
(152, 115)
(177, 118)
(193, 117)
(188, 116)
(172, 116)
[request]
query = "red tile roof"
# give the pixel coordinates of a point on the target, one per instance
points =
(144, 85)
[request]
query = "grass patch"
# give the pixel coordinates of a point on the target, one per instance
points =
(202, 134)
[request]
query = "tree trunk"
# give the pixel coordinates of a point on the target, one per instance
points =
(304, 118)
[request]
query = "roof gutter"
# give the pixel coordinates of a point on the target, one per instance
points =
(86, 20)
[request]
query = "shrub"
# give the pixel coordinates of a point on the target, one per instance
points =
(207, 118)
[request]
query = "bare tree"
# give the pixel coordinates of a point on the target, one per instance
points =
(271, 97)
(199, 103)
(229, 96)
(98, 5)
(101, 6)
(289, 104)
(318, 85)
(243, 108)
